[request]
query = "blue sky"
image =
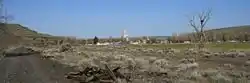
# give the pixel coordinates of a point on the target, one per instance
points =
(104, 18)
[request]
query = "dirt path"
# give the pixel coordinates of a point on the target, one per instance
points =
(31, 69)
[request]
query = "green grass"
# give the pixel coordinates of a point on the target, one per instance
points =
(224, 46)
(164, 46)
(228, 46)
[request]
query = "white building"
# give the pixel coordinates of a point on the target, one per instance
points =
(125, 35)
(106, 43)
(135, 43)
(187, 42)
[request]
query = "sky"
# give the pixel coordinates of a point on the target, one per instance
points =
(104, 18)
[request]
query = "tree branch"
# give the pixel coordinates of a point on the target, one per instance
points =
(203, 18)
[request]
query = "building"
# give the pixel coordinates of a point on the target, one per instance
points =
(125, 35)
(175, 34)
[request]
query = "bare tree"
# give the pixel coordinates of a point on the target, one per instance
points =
(203, 18)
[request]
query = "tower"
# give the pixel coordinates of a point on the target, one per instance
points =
(125, 35)
(175, 37)
(147, 38)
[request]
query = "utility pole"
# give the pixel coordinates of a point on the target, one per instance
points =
(1, 12)
(4, 17)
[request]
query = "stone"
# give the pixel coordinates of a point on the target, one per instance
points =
(228, 66)
(247, 63)
(241, 54)
(184, 66)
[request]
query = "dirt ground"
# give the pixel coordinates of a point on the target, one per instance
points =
(28, 68)
(32, 69)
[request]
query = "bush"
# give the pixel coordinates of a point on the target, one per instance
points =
(96, 40)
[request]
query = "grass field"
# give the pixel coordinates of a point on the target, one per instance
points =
(223, 46)
(152, 61)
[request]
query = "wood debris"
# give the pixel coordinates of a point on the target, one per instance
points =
(95, 74)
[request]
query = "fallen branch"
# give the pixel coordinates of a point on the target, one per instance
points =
(94, 74)
(110, 72)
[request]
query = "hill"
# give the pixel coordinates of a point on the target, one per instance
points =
(23, 31)
(7, 37)
(233, 29)
(227, 33)
(16, 33)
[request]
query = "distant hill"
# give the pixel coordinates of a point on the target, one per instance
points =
(15, 33)
(23, 31)
(231, 30)
(232, 33)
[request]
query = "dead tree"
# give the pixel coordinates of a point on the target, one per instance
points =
(199, 28)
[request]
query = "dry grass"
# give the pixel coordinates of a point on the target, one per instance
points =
(159, 64)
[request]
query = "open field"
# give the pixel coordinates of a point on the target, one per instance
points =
(222, 46)
(176, 63)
